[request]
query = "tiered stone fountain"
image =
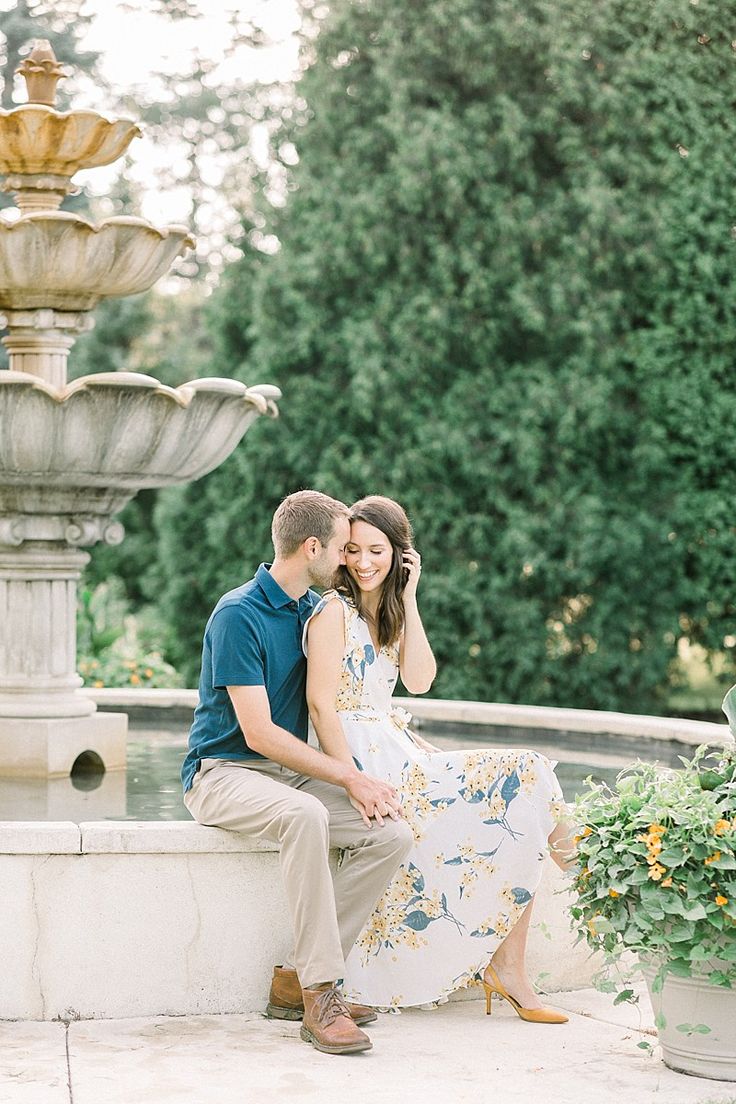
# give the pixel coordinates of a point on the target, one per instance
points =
(72, 455)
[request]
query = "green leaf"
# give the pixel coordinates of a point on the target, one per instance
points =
(694, 911)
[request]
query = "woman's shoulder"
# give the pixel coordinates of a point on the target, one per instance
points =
(340, 595)
(339, 605)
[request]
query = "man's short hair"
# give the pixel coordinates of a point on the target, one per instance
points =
(305, 514)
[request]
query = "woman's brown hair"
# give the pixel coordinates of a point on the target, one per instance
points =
(389, 517)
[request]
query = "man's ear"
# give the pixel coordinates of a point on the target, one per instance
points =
(312, 548)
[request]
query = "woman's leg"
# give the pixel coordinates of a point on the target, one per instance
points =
(561, 845)
(509, 962)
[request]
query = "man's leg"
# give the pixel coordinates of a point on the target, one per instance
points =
(371, 857)
(256, 801)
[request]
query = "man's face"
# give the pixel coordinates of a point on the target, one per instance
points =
(332, 555)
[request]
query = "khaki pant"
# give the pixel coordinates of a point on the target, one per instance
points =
(306, 817)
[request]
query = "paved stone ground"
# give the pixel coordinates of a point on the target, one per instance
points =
(453, 1054)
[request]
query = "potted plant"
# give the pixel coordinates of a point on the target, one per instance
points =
(657, 877)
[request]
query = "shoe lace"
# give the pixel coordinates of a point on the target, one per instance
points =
(329, 1005)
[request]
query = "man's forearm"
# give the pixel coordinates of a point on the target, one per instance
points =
(282, 747)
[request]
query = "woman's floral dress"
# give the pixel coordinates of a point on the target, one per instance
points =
(480, 819)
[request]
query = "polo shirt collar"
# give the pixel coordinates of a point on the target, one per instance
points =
(275, 594)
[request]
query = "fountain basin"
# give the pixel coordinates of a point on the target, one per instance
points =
(55, 259)
(90, 910)
(86, 448)
(91, 904)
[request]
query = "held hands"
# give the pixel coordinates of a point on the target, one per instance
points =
(413, 567)
(372, 798)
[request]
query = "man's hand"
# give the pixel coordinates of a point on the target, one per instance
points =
(373, 798)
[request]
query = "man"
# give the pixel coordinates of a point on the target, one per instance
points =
(250, 769)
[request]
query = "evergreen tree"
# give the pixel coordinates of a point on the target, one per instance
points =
(502, 295)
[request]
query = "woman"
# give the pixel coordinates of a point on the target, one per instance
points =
(482, 820)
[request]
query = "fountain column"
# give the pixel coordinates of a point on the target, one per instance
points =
(73, 454)
(39, 341)
(45, 722)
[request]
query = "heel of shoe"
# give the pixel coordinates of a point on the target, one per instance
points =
(278, 1012)
(531, 1015)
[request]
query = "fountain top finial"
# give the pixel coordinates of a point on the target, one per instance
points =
(41, 72)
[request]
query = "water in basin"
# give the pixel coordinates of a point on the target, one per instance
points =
(150, 788)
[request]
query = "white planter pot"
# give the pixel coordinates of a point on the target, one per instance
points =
(696, 1022)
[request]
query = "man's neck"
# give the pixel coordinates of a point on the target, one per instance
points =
(291, 575)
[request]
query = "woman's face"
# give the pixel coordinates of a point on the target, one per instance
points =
(368, 556)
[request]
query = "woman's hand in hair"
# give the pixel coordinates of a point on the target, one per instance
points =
(412, 569)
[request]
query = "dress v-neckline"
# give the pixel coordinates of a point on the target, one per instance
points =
(376, 647)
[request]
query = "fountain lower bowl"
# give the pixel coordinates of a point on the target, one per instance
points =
(86, 448)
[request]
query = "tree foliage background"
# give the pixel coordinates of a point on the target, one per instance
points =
(503, 295)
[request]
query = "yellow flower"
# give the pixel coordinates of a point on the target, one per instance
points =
(613, 893)
(721, 826)
(656, 871)
(666, 883)
(135, 679)
(657, 829)
(721, 900)
(98, 683)
(712, 858)
(587, 830)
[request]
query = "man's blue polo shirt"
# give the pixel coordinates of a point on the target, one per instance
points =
(253, 638)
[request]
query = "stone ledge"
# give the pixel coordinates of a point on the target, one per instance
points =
(143, 837)
(34, 837)
(427, 710)
(110, 697)
(588, 721)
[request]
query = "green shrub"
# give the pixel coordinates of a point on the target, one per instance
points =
(116, 648)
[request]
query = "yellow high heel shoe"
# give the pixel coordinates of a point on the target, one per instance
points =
(531, 1015)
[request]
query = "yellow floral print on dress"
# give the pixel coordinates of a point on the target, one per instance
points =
(480, 821)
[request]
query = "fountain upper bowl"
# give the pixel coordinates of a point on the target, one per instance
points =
(37, 139)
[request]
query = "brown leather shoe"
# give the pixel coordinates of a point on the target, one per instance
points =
(285, 1000)
(327, 1023)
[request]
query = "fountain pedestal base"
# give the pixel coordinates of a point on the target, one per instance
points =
(35, 747)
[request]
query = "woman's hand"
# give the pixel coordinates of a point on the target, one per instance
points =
(373, 798)
(416, 662)
(413, 566)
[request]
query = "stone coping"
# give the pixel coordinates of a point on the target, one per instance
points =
(134, 837)
(429, 710)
